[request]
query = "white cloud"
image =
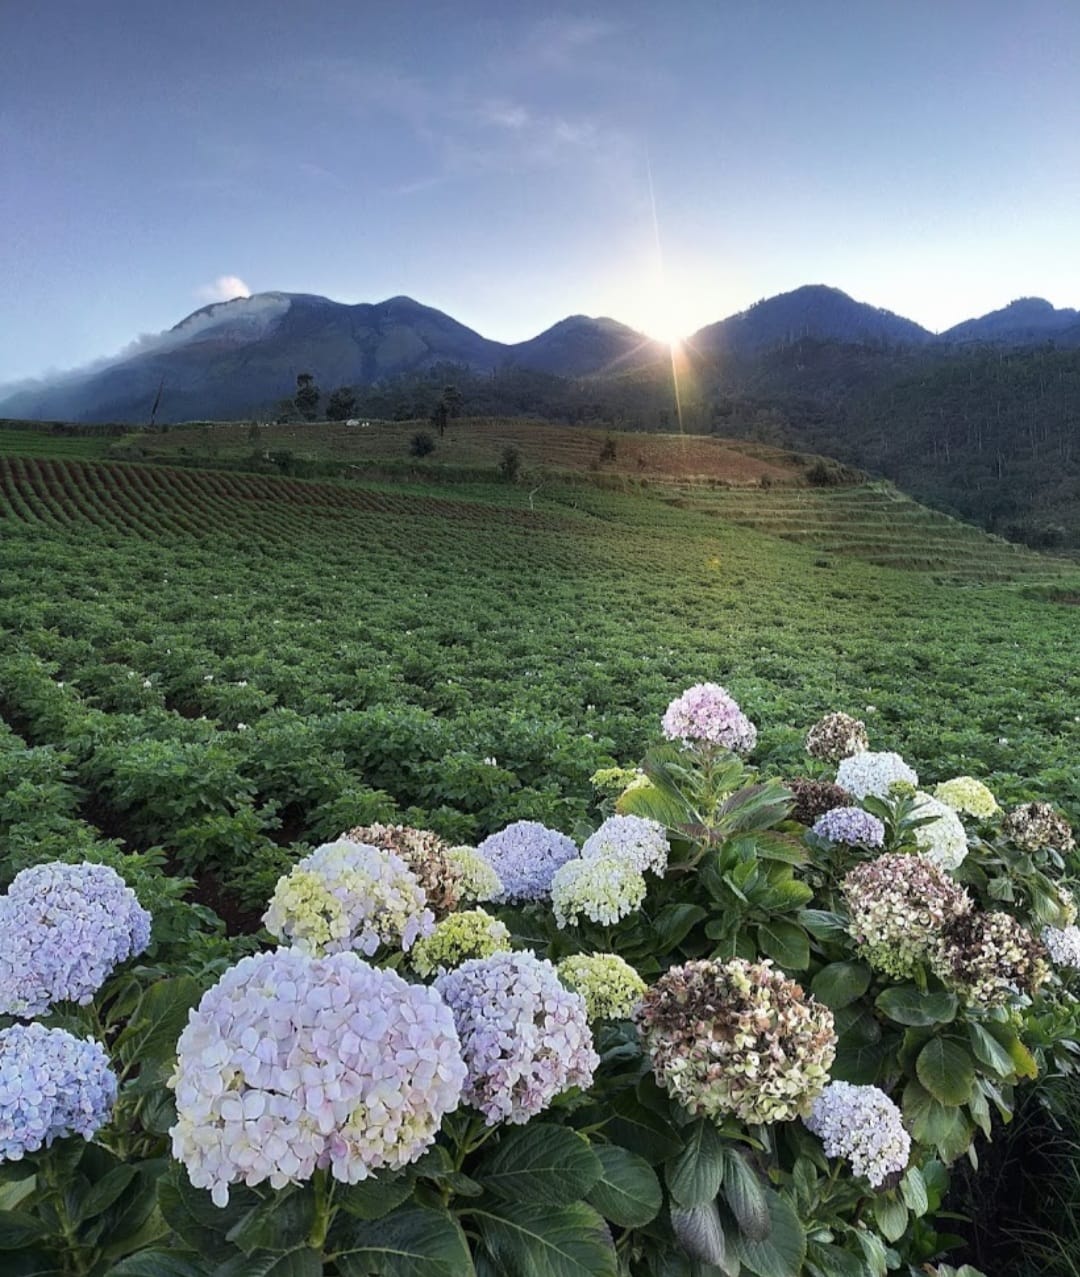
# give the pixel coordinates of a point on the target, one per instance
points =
(223, 289)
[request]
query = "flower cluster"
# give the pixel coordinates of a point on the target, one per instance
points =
(348, 895)
(613, 781)
(898, 907)
(476, 878)
(291, 1063)
(603, 889)
(524, 1036)
(990, 958)
(837, 736)
(866, 774)
(968, 795)
(52, 1084)
(943, 840)
(526, 855)
(609, 984)
(471, 934)
(863, 1125)
(850, 825)
(639, 841)
(65, 927)
(1063, 945)
(1036, 826)
(707, 714)
(737, 1037)
(425, 853)
(813, 798)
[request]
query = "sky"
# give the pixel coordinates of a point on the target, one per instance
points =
(667, 164)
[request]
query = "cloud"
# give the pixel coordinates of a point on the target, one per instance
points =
(223, 289)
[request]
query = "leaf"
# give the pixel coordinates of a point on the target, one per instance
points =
(374, 1197)
(746, 1196)
(699, 1230)
(929, 1122)
(105, 1193)
(151, 1035)
(628, 1192)
(191, 1214)
(301, 1261)
(15, 1192)
(783, 1252)
(891, 1216)
(823, 925)
(694, 1177)
(946, 1070)
(825, 1260)
(19, 1229)
(641, 1131)
(989, 1051)
(411, 1242)
(907, 1004)
(527, 1240)
(280, 1222)
(674, 922)
(786, 943)
(841, 983)
(540, 1163)
(157, 1263)
(913, 1191)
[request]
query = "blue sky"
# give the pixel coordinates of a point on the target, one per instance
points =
(494, 159)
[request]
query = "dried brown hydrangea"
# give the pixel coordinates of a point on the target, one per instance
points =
(836, 736)
(899, 907)
(990, 958)
(813, 798)
(1035, 826)
(426, 854)
(737, 1038)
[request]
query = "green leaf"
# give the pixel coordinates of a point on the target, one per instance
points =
(411, 1242)
(105, 1193)
(841, 983)
(694, 1177)
(150, 1037)
(540, 1163)
(913, 1191)
(699, 1230)
(674, 922)
(19, 1229)
(301, 1261)
(946, 1070)
(375, 1197)
(823, 925)
(907, 1004)
(527, 1240)
(628, 1192)
(281, 1221)
(825, 1260)
(783, 1252)
(892, 1217)
(17, 1191)
(945, 1129)
(786, 943)
(158, 1263)
(746, 1196)
(191, 1214)
(642, 1131)
(989, 1051)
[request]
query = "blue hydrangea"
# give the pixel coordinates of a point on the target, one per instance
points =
(65, 928)
(52, 1084)
(850, 825)
(636, 839)
(526, 855)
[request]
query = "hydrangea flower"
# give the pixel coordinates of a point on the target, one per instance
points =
(944, 840)
(526, 855)
(898, 909)
(837, 736)
(65, 927)
(348, 895)
(861, 1124)
(1035, 826)
(524, 1035)
(603, 889)
(1063, 945)
(292, 1063)
(813, 798)
(865, 774)
(471, 934)
(737, 1038)
(635, 839)
(852, 826)
(609, 984)
(613, 781)
(52, 1084)
(707, 714)
(990, 958)
(477, 880)
(426, 855)
(968, 795)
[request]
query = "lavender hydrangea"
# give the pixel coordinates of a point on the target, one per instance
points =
(868, 774)
(707, 714)
(52, 1084)
(603, 889)
(525, 1037)
(852, 826)
(526, 855)
(636, 839)
(349, 895)
(292, 1063)
(862, 1124)
(65, 928)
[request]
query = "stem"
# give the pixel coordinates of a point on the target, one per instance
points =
(75, 1257)
(324, 1212)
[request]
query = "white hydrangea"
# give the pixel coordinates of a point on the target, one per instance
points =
(868, 773)
(1063, 945)
(862, 1124)
(968, 795)
(636, 839)
(604, 889)
(477, 880)
(944, 840)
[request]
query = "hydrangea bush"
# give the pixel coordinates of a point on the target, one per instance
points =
(525, 856)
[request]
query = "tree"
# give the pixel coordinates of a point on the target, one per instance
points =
(440, 414)
(307, 396)
(454, 400)
(510, 463)
(421, 444)
(341, 405)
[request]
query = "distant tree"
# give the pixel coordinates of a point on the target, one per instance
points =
(440, 414)
(341, 405)
(608, 449)
(421, 444)
(285, 410)
(307, 396)
(510, 463)
(454, 400)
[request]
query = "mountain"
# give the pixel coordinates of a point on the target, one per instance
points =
(1028, 321)
(581, 346)
(815, 311)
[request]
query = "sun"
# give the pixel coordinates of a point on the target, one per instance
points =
(665, 318)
